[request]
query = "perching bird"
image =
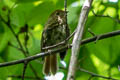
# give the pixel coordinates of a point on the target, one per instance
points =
(55, 31)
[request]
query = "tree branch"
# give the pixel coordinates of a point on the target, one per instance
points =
(85, 41)
(101, 36)
(77, 40)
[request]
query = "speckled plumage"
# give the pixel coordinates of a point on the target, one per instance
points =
(54, 32)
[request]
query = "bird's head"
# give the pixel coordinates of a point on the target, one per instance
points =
(58, 15)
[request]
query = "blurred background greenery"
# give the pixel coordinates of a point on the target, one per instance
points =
(102, 58)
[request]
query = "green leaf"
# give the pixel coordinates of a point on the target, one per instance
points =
(4, 37)
(17, 17)
(41, 13)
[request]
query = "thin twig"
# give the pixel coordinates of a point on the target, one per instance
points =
(96, 75)
(19, 77)
(71, 35)
(61, 43)
(22, 49)
(14, 46)
(26, 38)
(90, 31)
(24, 69)
(97, 39)
(115, 19)
(90, 78)
(3, 19)
(34, 71)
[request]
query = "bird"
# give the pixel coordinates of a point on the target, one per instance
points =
(55, 31)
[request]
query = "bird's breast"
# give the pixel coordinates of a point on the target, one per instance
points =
(54, 36)
(59, 34)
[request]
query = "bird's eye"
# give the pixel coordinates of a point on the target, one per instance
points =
(57, 13)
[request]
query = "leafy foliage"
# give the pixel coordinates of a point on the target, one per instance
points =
(101, 58)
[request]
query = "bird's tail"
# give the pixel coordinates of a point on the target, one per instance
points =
(53, 64)
(50, 65)
(46, 67)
